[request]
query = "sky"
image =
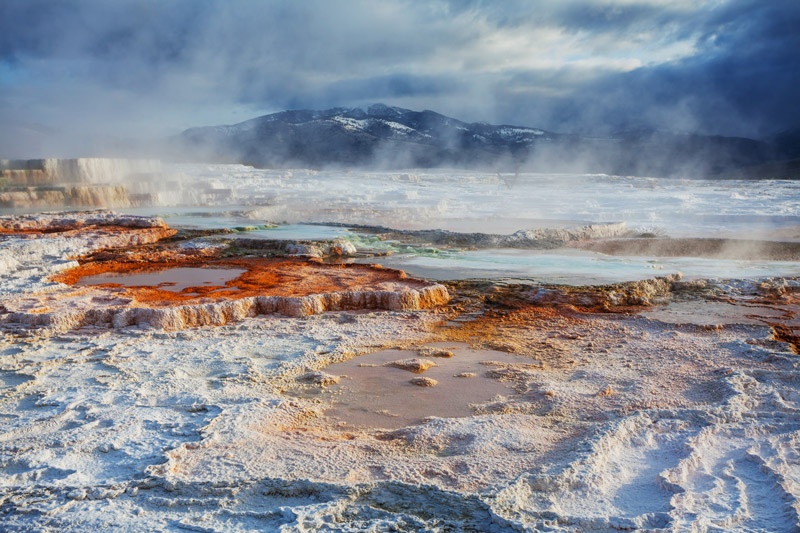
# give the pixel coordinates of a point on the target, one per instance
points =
(79, 76)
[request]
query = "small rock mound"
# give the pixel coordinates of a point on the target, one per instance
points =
(427, 351)
(319, 378)
(415, 365)
(606, 391)
(423, 382)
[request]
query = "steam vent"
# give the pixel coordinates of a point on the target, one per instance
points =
(130, 277)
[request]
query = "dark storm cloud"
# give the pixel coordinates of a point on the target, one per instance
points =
(741, 80)
(143, 68)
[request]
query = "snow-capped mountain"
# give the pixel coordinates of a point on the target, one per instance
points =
(381, 136)
(377, 135)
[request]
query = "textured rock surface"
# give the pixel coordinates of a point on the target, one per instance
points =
(40, 245)
(415, 365)
(642, 292)
(423, 382)
(336, 248)
(545, 238)
(319, 378)
(60, 222)
(215, 313)
(72, 196)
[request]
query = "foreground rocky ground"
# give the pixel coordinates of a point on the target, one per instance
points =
(661, 404)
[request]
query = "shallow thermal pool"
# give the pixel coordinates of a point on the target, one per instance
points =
(575, 267)
(714, 313)
(372, 395)
(171, 279)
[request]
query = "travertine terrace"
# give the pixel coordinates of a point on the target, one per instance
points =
(288, 286)
(82, 182)
(209, 379)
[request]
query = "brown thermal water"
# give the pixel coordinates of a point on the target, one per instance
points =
(372, 395)
(171, 279)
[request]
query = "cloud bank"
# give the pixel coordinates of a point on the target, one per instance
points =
(78, 77)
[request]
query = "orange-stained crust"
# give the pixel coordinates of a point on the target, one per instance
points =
(787, 334)
(263, 277)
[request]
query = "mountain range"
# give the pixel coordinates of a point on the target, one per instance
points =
(385, 137)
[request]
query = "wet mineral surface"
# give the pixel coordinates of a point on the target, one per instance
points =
(657, 404)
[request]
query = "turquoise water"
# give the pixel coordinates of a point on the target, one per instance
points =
(371, 242)
(574, 267)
